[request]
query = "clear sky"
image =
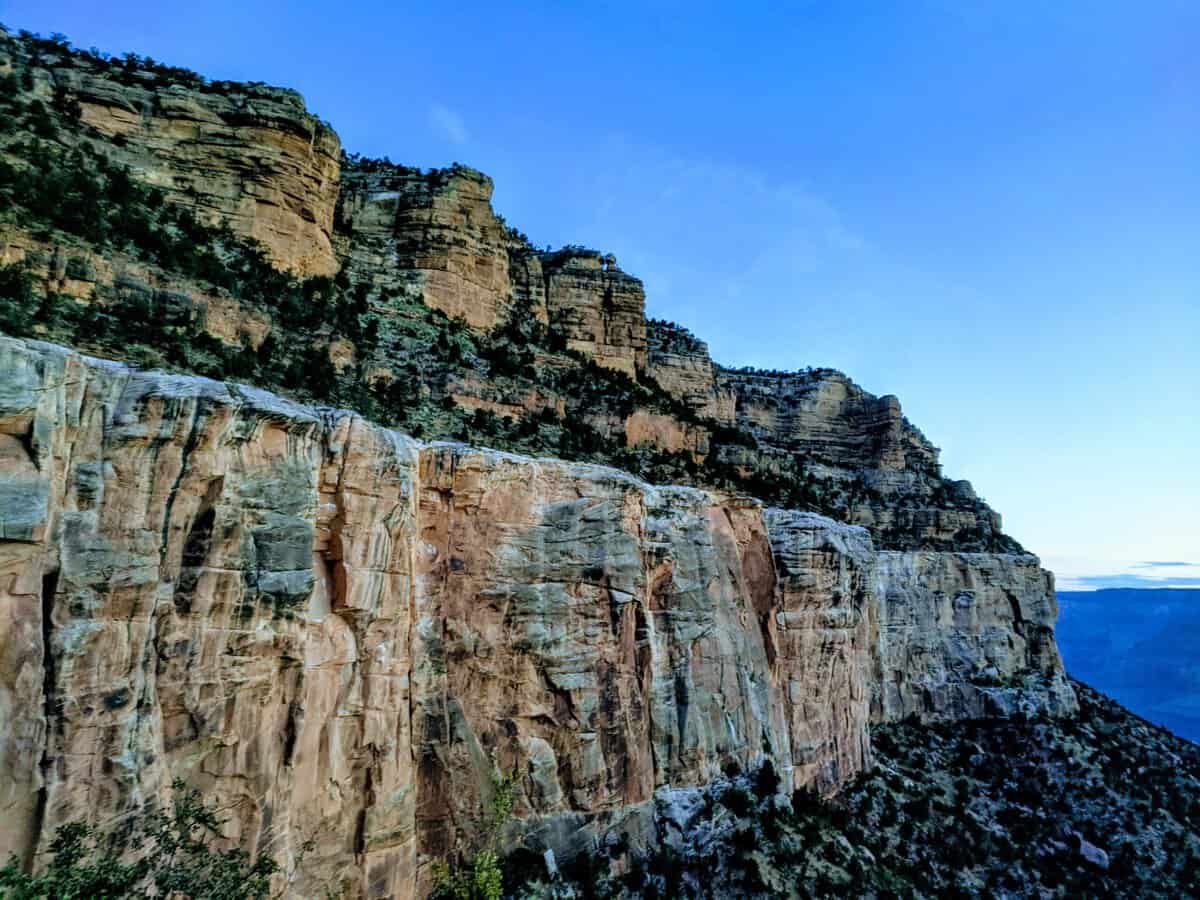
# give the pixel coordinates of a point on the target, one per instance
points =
(990, 209)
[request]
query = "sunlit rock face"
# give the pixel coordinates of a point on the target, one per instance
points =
(432, 233)
(245, 155)
(598, 308)
(822, 629)
(338, 633)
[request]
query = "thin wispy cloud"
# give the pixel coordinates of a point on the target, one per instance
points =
(448, 124)
(1074, 574)
(1096, 582)
(716, 234)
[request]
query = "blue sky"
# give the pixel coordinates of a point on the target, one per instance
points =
(990, 209)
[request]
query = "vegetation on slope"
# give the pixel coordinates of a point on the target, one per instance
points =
(61, 181)
(157, 855)
(1100, 805)
(68, 190)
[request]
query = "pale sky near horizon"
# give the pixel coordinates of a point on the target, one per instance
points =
(989, 209)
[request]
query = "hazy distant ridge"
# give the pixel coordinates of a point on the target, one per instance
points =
(1141, 646)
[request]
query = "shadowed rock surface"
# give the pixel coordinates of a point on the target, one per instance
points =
(1099, 804)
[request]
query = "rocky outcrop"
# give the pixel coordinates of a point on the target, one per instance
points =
(679, 362)
(818, 413)
(819, 424)
(434, 233)
(965, 635)
(338, 633)
(245, 155)
(645, 427)
(599, 309)
(846, 436)
(830, 418)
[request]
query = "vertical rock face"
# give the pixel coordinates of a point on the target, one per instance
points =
(864, 442)
(435, 231)
(822, 640)
(600, 310)
(830, 417)
(338, 633)
(594, 632)
(680, 363)
(221, 601)
(247, 155)
(965, 635)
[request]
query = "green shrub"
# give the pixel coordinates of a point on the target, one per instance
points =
(160, 855)
(17, 300)
(481, 876)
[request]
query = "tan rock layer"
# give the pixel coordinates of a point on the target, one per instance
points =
(434, 231)
(599, 309)
(338, 633)
(247, 155)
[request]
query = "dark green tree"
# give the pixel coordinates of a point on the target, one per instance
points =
(161, 855)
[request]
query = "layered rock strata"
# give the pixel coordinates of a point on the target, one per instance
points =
(396, 239)
(599, 309)
(842, 435)
(434, 233)
(850, 435)
(679, 362)
(248, 156)
(338, 633)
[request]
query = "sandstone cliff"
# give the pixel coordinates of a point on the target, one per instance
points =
(338, 632)
(846, 438)
(433, 233)
(144, 194)
(338, 626)
(248, 156)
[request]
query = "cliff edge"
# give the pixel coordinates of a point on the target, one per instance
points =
(317, 600)
(338, 632)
